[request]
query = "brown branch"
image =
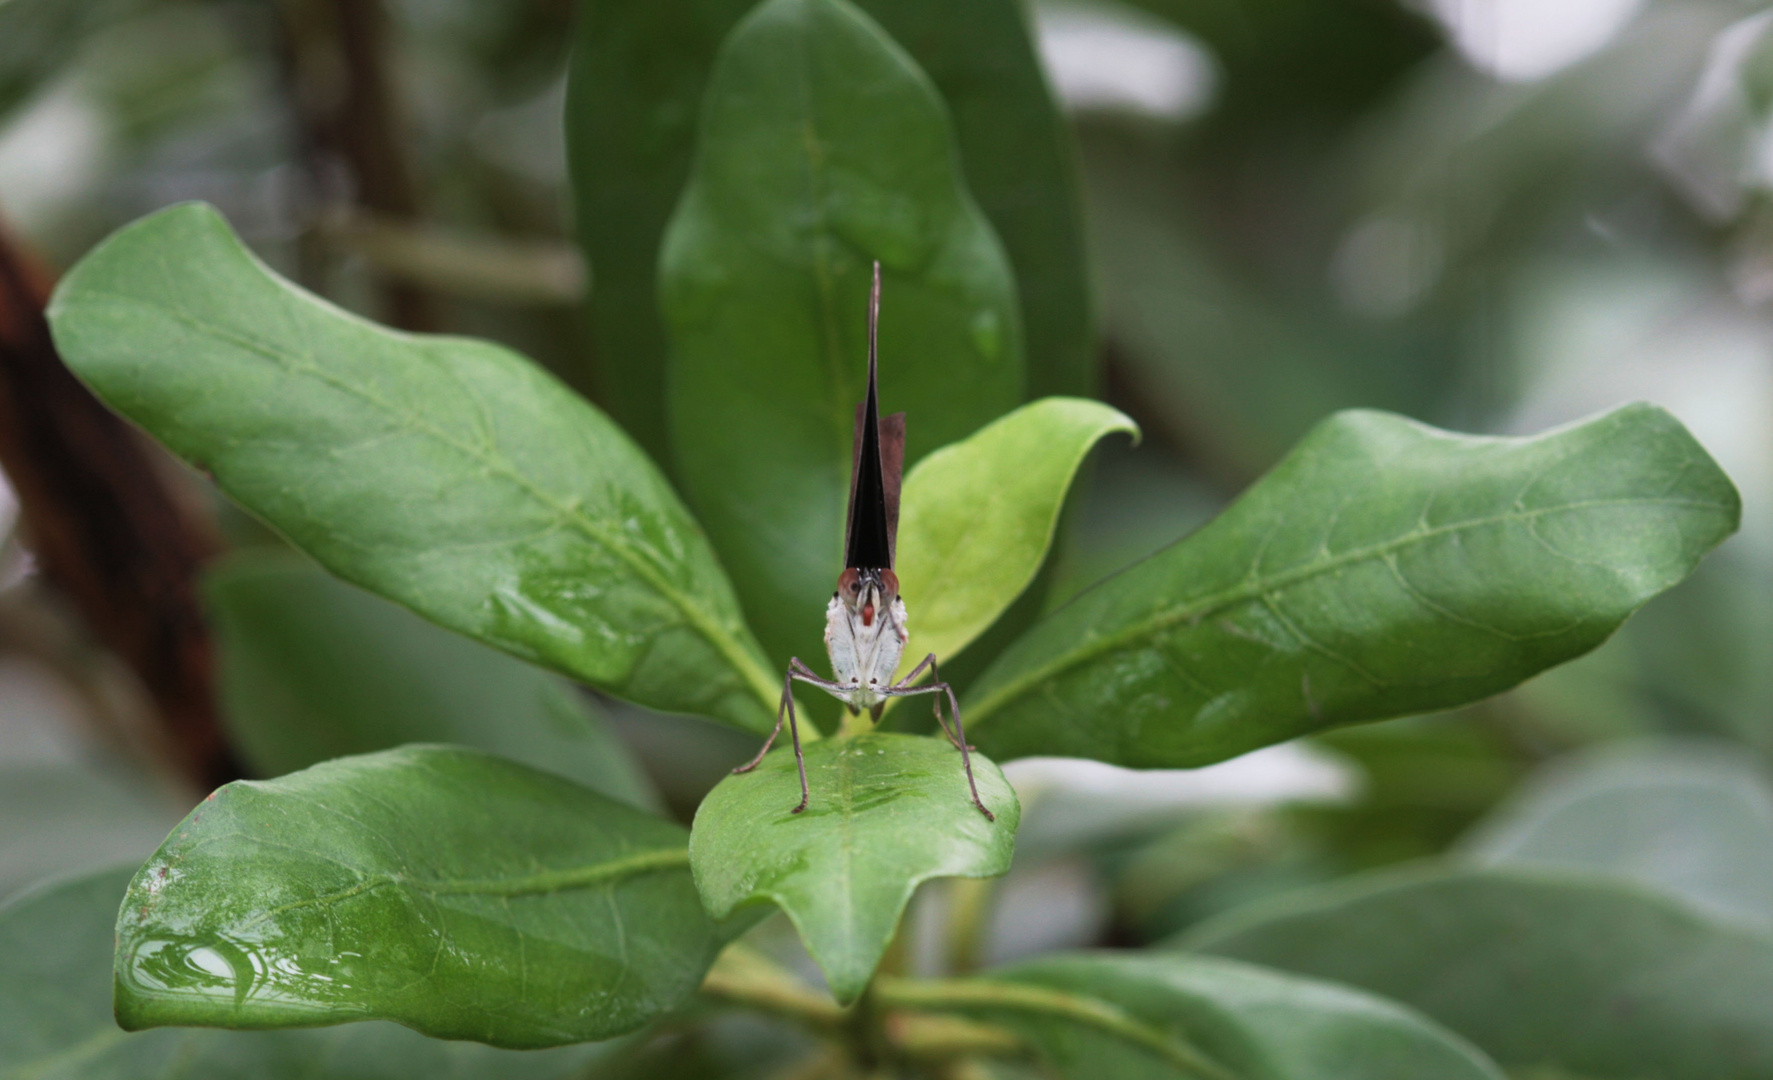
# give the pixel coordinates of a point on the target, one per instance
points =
(104, 526)
(347, 115)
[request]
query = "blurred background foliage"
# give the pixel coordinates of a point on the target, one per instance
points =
(1491, 215)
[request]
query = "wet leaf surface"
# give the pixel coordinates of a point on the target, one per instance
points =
(55, 992)
(1383, 568)
(465, 896)
(886, 813)
(821, 148)
(449, 475)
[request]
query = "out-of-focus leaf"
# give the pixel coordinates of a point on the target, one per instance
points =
(1383, 568)
(978, 517)
(1020, 165)
(1428, 779)
(886, 813)
(310, 668)
(55, 992)
(1693, 819)
(58, 819)
(449, 475)
(1692, 662)
(1232, 371)
(1137, 1017)
(1293, 61)
(1489, 166)
(822, 147)
(638, 75)
(37, 37)
(462, 895)
(1540, 969)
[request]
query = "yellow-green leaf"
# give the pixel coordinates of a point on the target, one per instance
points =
(977, 517)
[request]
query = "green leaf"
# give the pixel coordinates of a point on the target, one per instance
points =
(1537, 968)
(886, 813)
(449, 475)
(1383, 568)
(465, 896)
(55, 992)
(978, 516)
(1134, 1017)
(1690, 818)
(822, 147)
(310, 668)
(1021, 166)
(639, 72)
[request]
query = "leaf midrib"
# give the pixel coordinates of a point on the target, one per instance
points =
(545, 882)
(1081, 1009)
(1256, 588)
(760, 682)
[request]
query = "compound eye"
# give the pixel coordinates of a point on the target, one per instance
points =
(849, 585)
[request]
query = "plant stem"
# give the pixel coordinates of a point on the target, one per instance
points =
(479, 266)
(969, 916)
(937, 994)
(930, 1037)
(346, 108)
(743, 976)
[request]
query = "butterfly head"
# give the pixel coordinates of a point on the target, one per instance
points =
(868, 594)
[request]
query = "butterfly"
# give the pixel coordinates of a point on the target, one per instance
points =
(866, 626)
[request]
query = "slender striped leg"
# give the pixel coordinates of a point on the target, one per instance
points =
(796, 670)
(958, 736)
(936, 675)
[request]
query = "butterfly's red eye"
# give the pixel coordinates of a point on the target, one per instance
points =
(848, 584)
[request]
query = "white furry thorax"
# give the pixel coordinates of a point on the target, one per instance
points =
(865, 658)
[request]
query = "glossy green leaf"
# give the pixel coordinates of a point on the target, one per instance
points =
(1383, 568)
(1690, 818)
(465, 896)
(977, 517)
(1537, 968)
(821, 148)
(310, 668)
(886, 813)
(638, 75)
(449, 475)
(1144, 1017)
(55, 993)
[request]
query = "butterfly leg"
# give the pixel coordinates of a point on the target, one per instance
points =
(782, 709)
(936, 675)
(959, 736)
(796, 671)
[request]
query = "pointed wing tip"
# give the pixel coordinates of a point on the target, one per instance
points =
(873, 510)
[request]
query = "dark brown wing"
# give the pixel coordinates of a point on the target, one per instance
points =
(871, 526)
(892, 475)
(891, 434)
